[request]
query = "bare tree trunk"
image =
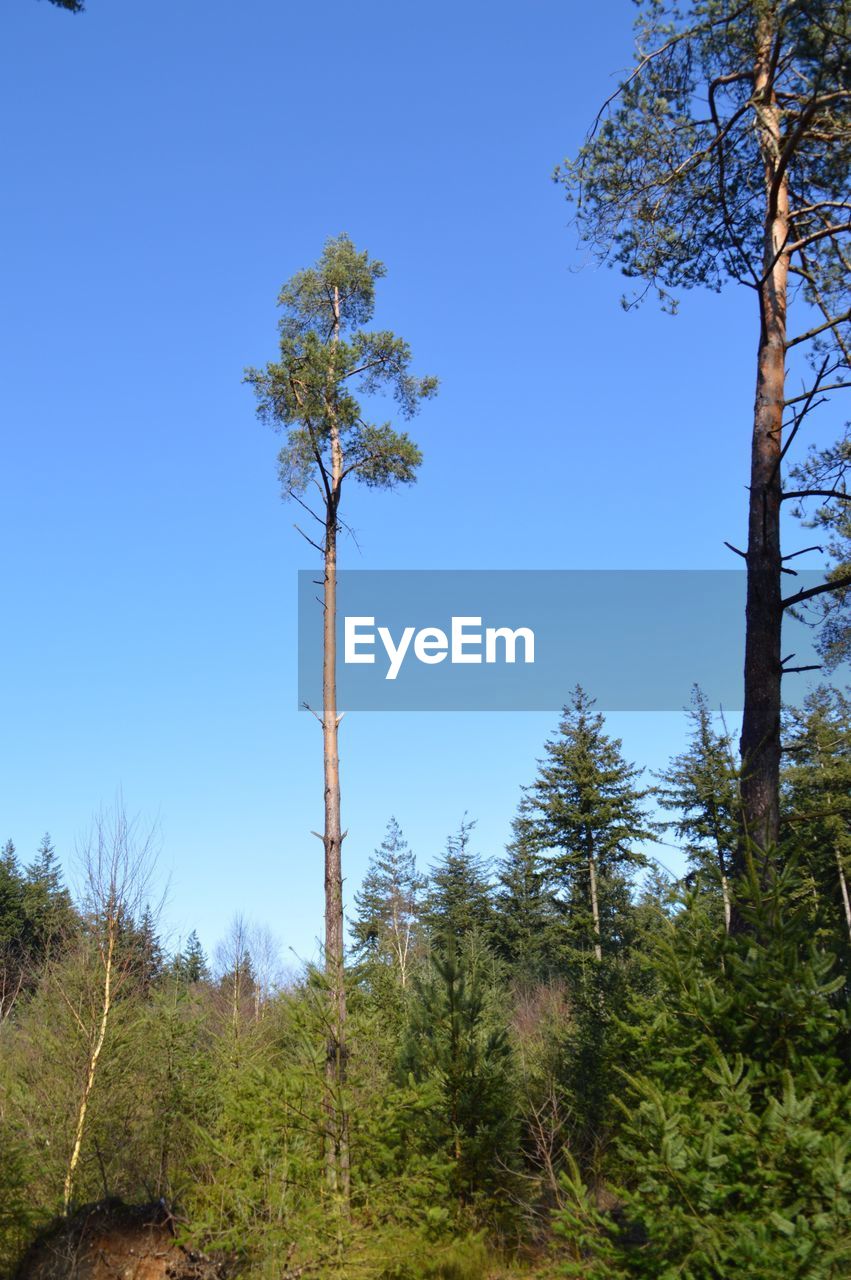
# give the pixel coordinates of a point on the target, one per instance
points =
(595, 907)
(725, 894)
(760, 740)
(843, 885)
(91, 1068)
(337, 1155)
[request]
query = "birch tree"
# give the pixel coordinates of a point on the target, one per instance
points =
(724, 156)
(118, 862)
(318, 394)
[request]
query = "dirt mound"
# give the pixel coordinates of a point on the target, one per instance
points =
(115, 1241)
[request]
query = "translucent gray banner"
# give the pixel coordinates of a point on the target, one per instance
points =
(520, 640)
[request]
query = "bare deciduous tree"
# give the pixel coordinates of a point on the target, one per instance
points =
(118, 860)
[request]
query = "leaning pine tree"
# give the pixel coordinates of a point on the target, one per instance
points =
(310, 393)
(724, 155)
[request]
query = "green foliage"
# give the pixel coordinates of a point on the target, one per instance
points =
(37, 919)
(822, 481)
(423, 1258)
(527, 924)
(817, 810)
(670, 184)
(326, 362)
(734, 1146)
(190, 965)
(386, 925)
(585, 813)
(459, 894)
(701, 787)
(18, 1216)
(678, 1106)
(457, 1040)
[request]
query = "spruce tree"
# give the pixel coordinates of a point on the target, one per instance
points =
(388, 904)
(586, 814)
(526, 922)
(733, 1157)
(13, 915)
(817, 807)
(457, 1040)
(15, 938)
(48, 902)
(701, 786)
(459, 895)
(191, 964)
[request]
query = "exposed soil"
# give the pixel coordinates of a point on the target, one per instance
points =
(115, 1241)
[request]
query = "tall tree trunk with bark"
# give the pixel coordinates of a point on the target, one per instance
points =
(595, 907)
(760, 740)
(310, 393)
(337, 1157)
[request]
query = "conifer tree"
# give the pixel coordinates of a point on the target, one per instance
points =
(456, 1040)
(145, 943)
(459, 894)
(14, 929)
(13, 917)
(526, 922)
(48, 902)
(733, 1159)
(310, 393)
(700, 785)
(191, 964)
(817, 795)
(388, 903)
(586, 813)
(724, 157)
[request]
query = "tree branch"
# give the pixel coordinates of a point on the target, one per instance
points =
(819, 328)
(811, 592)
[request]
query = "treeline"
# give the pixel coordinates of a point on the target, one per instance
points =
(560, 1060)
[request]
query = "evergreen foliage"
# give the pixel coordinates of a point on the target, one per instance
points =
(701, 787)
(586, 814)
(459, 895)
(190, 965)
(386, 925)
(678, 1106)
(817, 810)
(457, 1041)
(527, 925)
(734, 1150)
(325, 361)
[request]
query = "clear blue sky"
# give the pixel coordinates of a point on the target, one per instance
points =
(165, 167)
